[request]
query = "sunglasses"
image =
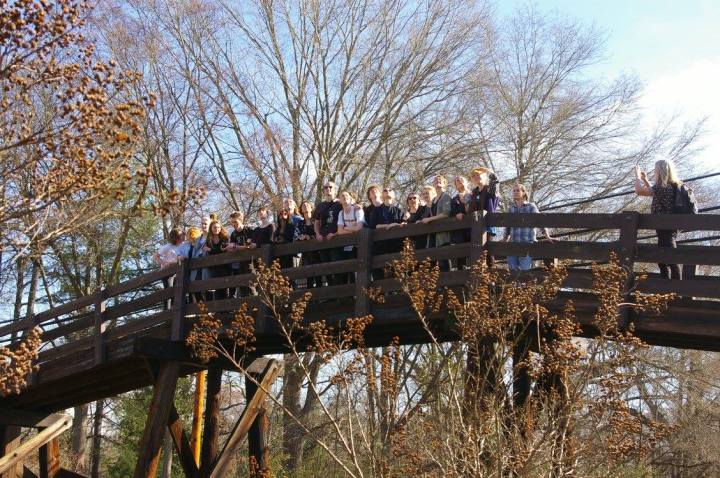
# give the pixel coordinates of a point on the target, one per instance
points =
(412, 198)
(328, 187)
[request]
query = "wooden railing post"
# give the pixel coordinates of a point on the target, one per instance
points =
(99, 325)
(478, 237)
(362, 281)
(627, 252)
(262, 325)
(182, 276)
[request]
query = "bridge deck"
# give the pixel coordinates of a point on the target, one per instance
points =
(97, 346)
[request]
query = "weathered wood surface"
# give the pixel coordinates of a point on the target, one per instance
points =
(93, 337)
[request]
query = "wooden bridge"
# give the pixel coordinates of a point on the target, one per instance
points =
(113, 340)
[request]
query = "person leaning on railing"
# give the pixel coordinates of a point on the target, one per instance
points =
(416, 209)
(458, 208)
(307, 233)
(240, 238)
(168, 256)
(663, 193)
(485, 198)
(215, 244)
(350, 220)
(326, 216)
(439, 209)
(522, 235)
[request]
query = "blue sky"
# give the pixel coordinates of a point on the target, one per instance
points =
(672, 46)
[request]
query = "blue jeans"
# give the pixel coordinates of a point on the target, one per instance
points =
(516, 263)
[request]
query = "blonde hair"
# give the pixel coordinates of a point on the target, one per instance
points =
(194, 234)
(665, 173)
(430, 190)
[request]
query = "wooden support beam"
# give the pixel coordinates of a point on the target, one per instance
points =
(16, 456)
(65, 473)
(181, 281)
(258, 451)
(182, 444)
(157, 419)
(626, 255)
(50, 459)
(99, 316)
(478, 236)
(28, 473)
(198, 406)
(362, 281)
(211, 428)
(241, 428)
(9, 441)
(26, 418)
(521, 377)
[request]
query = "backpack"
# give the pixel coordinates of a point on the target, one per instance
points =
(684, 202)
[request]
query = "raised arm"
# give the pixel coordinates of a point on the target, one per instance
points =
(642, 185)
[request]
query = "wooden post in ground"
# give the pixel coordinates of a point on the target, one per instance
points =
(259, 454)
(9, 441)
(211, 428)
(521, 377)
(198, 406)
(50, 459)
(157, 420)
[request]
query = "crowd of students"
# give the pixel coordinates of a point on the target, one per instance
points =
(339, 213)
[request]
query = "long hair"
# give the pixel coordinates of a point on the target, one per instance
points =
(665, 174)
(223, 235)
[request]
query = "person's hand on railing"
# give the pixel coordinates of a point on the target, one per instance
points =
(329, 236)
(460, 216)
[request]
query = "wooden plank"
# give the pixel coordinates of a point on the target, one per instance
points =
(66, 349)
(700, 255)
(27, 418)
(50, 459)
(179, 293)
(293, 248)
(245, 255)
(420, 229)
(141, 303)
(47, 315)
(685, 222)
(596, 251)
(20, 453)
(446, 279)
(337, 267)
(157, 419)
(241, 428)
(435, 253)
(220, 282)
(75, 325)
(223, 305)
(362, 279)
(688, 288)
(555, 220)
(137, 325)
(139, 282)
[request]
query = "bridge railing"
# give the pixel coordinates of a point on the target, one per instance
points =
(142, 305)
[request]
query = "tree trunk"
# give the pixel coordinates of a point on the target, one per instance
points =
(97, 436)
(167, 456)
(32, 291)
(79, 439)
(292, 438)
(19, 289)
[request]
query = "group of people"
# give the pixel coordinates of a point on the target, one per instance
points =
(339, 213)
